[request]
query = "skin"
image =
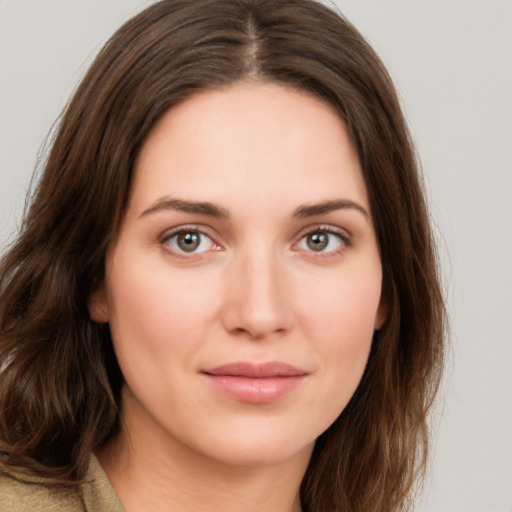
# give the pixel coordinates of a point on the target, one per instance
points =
(256, 289)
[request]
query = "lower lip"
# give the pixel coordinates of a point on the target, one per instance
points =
(255, 390)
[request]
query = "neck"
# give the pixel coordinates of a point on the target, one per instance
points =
(157, 473)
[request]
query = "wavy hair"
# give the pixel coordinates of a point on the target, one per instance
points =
(59, 380)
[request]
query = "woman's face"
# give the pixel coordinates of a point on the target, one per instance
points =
(244, 287)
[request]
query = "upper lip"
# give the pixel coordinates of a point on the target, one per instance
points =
(255, 370)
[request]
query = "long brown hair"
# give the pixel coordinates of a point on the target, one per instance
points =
(59, 379)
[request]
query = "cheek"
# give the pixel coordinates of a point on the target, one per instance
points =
(341, 321)
(343, 308)
(154, 312)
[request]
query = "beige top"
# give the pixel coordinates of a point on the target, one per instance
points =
(20, 493)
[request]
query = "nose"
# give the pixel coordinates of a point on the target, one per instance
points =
(258, 302)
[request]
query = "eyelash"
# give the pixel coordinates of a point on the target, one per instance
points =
(343, 236)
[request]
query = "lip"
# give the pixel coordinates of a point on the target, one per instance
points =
(255, 383)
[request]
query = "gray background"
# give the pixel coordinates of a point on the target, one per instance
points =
(452, 63)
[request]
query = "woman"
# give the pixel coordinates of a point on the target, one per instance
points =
(225, 292)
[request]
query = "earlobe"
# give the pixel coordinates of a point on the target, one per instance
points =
(381, 316)
(97, 305)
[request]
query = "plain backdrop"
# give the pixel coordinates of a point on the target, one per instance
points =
(452, 64)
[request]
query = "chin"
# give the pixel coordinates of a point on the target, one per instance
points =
(260, 453)
(254, 442)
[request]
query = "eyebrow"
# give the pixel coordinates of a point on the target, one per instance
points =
(212, 210)
(201, 208)
(310, 210)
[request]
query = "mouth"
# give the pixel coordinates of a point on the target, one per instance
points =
(255, 383)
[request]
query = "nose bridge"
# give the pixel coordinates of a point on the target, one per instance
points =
(258, 300)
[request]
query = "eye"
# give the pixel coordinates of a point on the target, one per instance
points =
(323, 241)
(189, 241)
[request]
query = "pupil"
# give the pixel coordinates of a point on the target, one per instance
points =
(318, 241)
(188, 242)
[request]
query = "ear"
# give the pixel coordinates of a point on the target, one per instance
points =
(382, 314)
(98, 305)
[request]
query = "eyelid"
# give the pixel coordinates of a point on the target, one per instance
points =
(329, 228)
(180, 229)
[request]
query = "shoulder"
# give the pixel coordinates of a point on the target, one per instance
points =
(23, 493)
(19, 493)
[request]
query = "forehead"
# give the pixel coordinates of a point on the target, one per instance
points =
(250, 140)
